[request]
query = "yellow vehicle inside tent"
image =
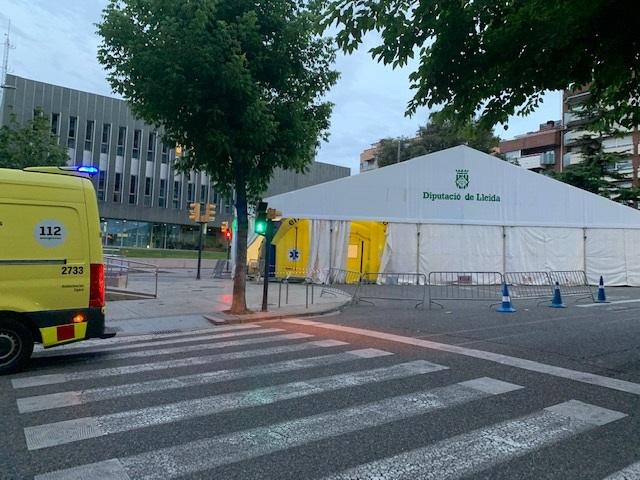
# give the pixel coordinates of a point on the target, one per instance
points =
(52, 287)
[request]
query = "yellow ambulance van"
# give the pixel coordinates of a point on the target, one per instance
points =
(52, 287)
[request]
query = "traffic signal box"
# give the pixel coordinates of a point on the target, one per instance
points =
(260, 226)
(208, 215)
(194, 212)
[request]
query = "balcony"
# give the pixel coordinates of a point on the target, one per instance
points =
(572, 158)
(540, 160)
(575, 137)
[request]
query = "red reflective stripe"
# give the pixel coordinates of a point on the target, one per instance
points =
(66, 332)
(96, 291)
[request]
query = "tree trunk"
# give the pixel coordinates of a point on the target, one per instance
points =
(239, 304)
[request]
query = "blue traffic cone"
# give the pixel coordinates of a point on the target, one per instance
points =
(602, 297)
(556, 302)
(506, 301)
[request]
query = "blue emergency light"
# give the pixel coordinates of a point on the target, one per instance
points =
(88, 170)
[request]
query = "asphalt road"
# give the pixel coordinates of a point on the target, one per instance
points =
(460, 392)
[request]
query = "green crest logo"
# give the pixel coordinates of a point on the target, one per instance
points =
(462, 179)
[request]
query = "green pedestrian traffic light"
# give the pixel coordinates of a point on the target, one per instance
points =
(260, 225)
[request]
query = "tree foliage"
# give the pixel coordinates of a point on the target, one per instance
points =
(598, 173)
(500, 56)
(439, 133)
(238, 83)
(31, 145)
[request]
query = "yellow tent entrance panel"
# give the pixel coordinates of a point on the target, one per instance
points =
(292, 242)
(366, 243)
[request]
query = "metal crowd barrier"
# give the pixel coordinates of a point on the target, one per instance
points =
(529, 284)
(337, 282)
(392, 286)
(483, 286)
(573, 283)
(130, 279)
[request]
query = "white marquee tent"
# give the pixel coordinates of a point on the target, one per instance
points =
(463, 210)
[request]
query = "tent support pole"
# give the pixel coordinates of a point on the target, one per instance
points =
(584, 249)
(330, 244)
(418, 248)
(504, 249)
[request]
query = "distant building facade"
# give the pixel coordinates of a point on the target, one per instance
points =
(143, 199)
(538, 151)
(368, 158)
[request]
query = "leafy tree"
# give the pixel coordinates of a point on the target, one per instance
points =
(30, 146)
(238, 83)
(439, 133)
(597, 172)
(499, 56)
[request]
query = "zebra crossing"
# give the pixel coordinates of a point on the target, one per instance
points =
(190, 372)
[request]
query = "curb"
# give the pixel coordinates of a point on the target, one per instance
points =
(227, 319)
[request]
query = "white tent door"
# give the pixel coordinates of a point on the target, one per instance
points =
(606, 256)
(536, 249)
(460, 248)
(400, 249)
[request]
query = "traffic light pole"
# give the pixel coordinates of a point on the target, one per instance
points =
(268, 236)
(200, 249)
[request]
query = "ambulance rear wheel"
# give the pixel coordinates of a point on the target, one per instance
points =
(16, 346)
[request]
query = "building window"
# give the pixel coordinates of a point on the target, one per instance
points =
(88, 137)
(190, 193)
(151, 147)
(117, 187)
(165, 153)
(102, 183)
(177, 193)
(55, 124)
(203, 194)
(162, 194)
(148, 191)
(106, 137)
(133, 189)
(137, 138)
(71, 137)
(122, 140)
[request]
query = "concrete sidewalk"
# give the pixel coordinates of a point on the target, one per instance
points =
(184, 303)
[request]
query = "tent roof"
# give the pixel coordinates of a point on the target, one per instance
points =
(459, 185)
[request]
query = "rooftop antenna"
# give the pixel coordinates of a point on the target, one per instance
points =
(5, 67)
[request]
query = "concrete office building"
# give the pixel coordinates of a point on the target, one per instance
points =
(143, 200)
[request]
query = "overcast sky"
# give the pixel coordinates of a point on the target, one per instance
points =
(55, 42)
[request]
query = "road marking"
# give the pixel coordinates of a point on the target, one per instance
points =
(200, 347)
(79, 397)
(632, 472)
(69, 431)
(194, 338)
(472, 452)
(590, 305)
(583, 377)
(55, 378)
(149, 337)
(225, 449)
